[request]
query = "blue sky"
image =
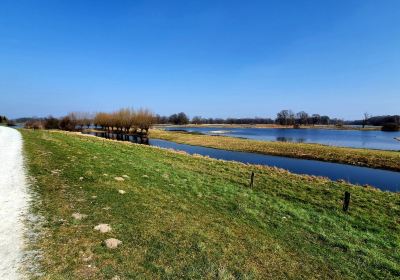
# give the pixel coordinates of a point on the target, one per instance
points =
(208, 58)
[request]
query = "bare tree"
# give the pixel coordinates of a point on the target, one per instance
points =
(144, 120)
(316, 119)
(285, 117)
(365, 119)
(196, 120)
(126, 120)
(302, 118)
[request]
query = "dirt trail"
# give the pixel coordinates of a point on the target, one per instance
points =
(13, 202)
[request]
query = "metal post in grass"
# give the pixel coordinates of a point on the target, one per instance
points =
(346, 201)
(252, 180)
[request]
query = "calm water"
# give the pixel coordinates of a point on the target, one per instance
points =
(382, 179)
(345, 138)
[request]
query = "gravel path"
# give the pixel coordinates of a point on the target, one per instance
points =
(13, 202)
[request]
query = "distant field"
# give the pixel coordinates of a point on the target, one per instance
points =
(186, 217)
(389, 160)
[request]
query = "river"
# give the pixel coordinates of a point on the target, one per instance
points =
(369, 139)
(382, 179)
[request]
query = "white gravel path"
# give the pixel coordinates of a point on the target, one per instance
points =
(13, 203)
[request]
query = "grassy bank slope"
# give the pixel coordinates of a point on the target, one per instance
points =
(362, 157)
(193, 217)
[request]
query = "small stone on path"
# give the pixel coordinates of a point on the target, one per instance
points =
(121, 191)
(78, 216)
(112, 243)
(103, 228)
(119, 179)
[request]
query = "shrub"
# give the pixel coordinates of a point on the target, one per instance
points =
(51, 123)
(34, 124)
(67, 123)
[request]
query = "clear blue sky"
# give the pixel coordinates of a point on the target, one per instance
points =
(209, 58)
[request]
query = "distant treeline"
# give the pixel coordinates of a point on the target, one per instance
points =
(141, 120)
(284, 117)
(182, 119)
(378, 120)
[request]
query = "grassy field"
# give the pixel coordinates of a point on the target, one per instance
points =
(361, 157)
(188, 217)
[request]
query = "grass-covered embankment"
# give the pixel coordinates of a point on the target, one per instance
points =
(193, 217)
(389, 160)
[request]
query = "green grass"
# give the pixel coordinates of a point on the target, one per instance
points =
(186, 217)
(360, 157)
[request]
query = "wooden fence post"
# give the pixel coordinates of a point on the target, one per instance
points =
(252, 180)
(346, 201)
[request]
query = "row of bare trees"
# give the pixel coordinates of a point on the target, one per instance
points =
(125, 121)
(121, 121)
(288, 117)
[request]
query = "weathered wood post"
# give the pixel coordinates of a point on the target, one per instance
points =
(252, 180)
(346, 201)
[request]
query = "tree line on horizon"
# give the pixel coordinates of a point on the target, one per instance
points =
(284, 117)
(140, 121)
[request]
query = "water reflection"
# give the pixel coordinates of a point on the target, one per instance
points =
(290, 139)
(134, 138)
